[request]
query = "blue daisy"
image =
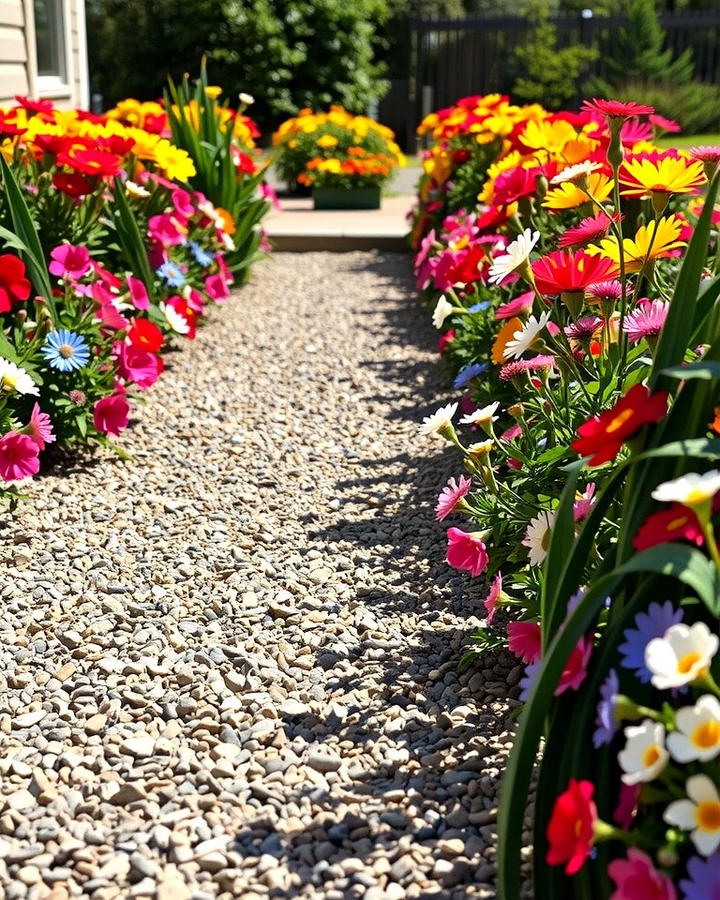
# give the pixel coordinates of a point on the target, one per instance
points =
(173, 274)
(607, 724)
(468, 373)
(479, 307)
(202, 257)
(703, 882)
(648, 625)
(64, 350)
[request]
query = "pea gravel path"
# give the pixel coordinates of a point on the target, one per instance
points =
(228, 668)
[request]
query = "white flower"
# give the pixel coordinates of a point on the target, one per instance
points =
(228, 242)
(700, 814)
(15, 378)
(537, 536)
(136, 190)
(481, 416)
(177, 322)
(442, 310)
(440, 419)
(644, 756)
(579, 170)
(516, 253)
(246, 99)
(526, 336)
(691, 489)
(697, 734)
(682, 655)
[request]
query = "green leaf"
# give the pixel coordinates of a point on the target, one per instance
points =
(705, 369)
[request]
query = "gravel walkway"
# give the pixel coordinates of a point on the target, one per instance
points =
(229, 667)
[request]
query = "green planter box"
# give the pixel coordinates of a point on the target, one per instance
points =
(347, 198)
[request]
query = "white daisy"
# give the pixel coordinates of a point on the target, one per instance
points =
(644, 756)
(578, 171)
(681, 656)
(699, 814)
(697, 731)
(178, 323)
(482, 416)
(516, 253)
(441, 419)
(537, 536)
(526, 336)
(442, 310)
(690, 490)
(136, 190)
(15, 378)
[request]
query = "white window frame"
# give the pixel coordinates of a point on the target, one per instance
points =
(58, 86)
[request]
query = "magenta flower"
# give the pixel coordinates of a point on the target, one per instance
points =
(584, 503)
(111, 414)
(138, 293)
(450, 496)
(646, 320)
(626, 809)
(216, 288)
(466, 551)
(19, 456)
(603, 291)
(39, 428)
(166, 230)
(182, 202)
(520, 306)
(492, 600)
(583, 329)
(637, 878)
(137, 365)
(575, 670)
(70, 262)
(525, 640)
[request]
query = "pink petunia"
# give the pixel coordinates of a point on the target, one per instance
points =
(636, 878)
(138, 365)
(466, 551)
(111, 414)
(525, 640)
(138, 293)
(450, 496)
(19, 456)
(40, 427)
(492, 600)
(70, 262)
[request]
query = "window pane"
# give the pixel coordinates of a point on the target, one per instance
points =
(49, 34)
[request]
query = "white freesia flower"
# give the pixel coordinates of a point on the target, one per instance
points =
(178, 323)
(691, 489)
(681, 656)
(481, 416)
(526, 336)
(697, 731)
(538, 534)
(644, 756)
(246, 99)
(442, 418)
(516, 253)
(15, 378)
(579, 170)
(442, 310)
(699, 814)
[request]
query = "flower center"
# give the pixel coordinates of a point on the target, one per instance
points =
(687, 661)
(545, 542)
(677, 523)
(697, 495)
(706, 735)
(707, 816)
(8, 383)
(66, 351)
(651, 756)
(619, 420)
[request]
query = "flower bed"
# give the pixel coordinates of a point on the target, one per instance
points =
(571, 264)
(109, 250)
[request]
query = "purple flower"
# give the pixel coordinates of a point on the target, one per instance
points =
(651, 624)
(704, 880)
(527, 682)
(605, 721)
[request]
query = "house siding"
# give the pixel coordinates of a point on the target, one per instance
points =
(13, 50)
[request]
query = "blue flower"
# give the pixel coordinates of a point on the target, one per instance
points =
(606, 723)
(527, 682)
(704, 880)
(652, 624)
(64, 350)
(173, 274)
(202, 257)
(468, 373)
(479, 307)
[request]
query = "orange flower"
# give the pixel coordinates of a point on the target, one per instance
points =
(227, 220)
(715, 426)
(504, 336)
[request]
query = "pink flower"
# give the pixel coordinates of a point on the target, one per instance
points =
(520, 306)
(576, 666)
(216, 288)
(646, 320)
(195, 300)
(603, 291)
(19, 456)
(108, 311)
(637, 879)
(40, 428)
(589, 229)
(514, 431)
(270, 194)
(138, 293)
(584, 503)
(525, 640)
(138, 365)
(450, 496)
(111, 414)
(466, 551)
(183, 203)
(491, 601)
(70, 262)
(166, 230)
(447, 338)
(223, 269)
(626, 810)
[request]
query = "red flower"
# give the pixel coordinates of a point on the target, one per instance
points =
(571, 827)
(602, 437)
(460, 156)
(111, 414)
(14, 286)
(589, 229)
(38, 106)
(567, 271)
(616, 109)
(181, 305)
(52, 143)
(468, 265)
(466, 551)
(72, 184)
(676, 523)
(117, 145)
(90, 162)
(445, 339)
(8, 123)
(145, 334)
(515, 183)
(525, 640)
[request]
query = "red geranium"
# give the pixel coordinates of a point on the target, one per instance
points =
(14, 286)
(567, 271)
(602, 437)
(571, 828)
(90, 162)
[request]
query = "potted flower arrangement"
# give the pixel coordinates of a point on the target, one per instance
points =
(345, 159)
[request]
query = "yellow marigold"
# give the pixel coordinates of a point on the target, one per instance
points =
(327, 141)
(175, 163)
(651, 241)
(569, 196)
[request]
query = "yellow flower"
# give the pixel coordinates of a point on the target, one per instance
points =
(664, 176)
(439, 165)
(651, 241)
(548, 136)
(327, 141)
(174, 162)
(213, 91)
(568, 195)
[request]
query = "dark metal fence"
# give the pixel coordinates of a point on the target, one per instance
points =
(453, 58)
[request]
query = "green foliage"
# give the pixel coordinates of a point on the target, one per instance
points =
(289, 53)
(695, 106)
